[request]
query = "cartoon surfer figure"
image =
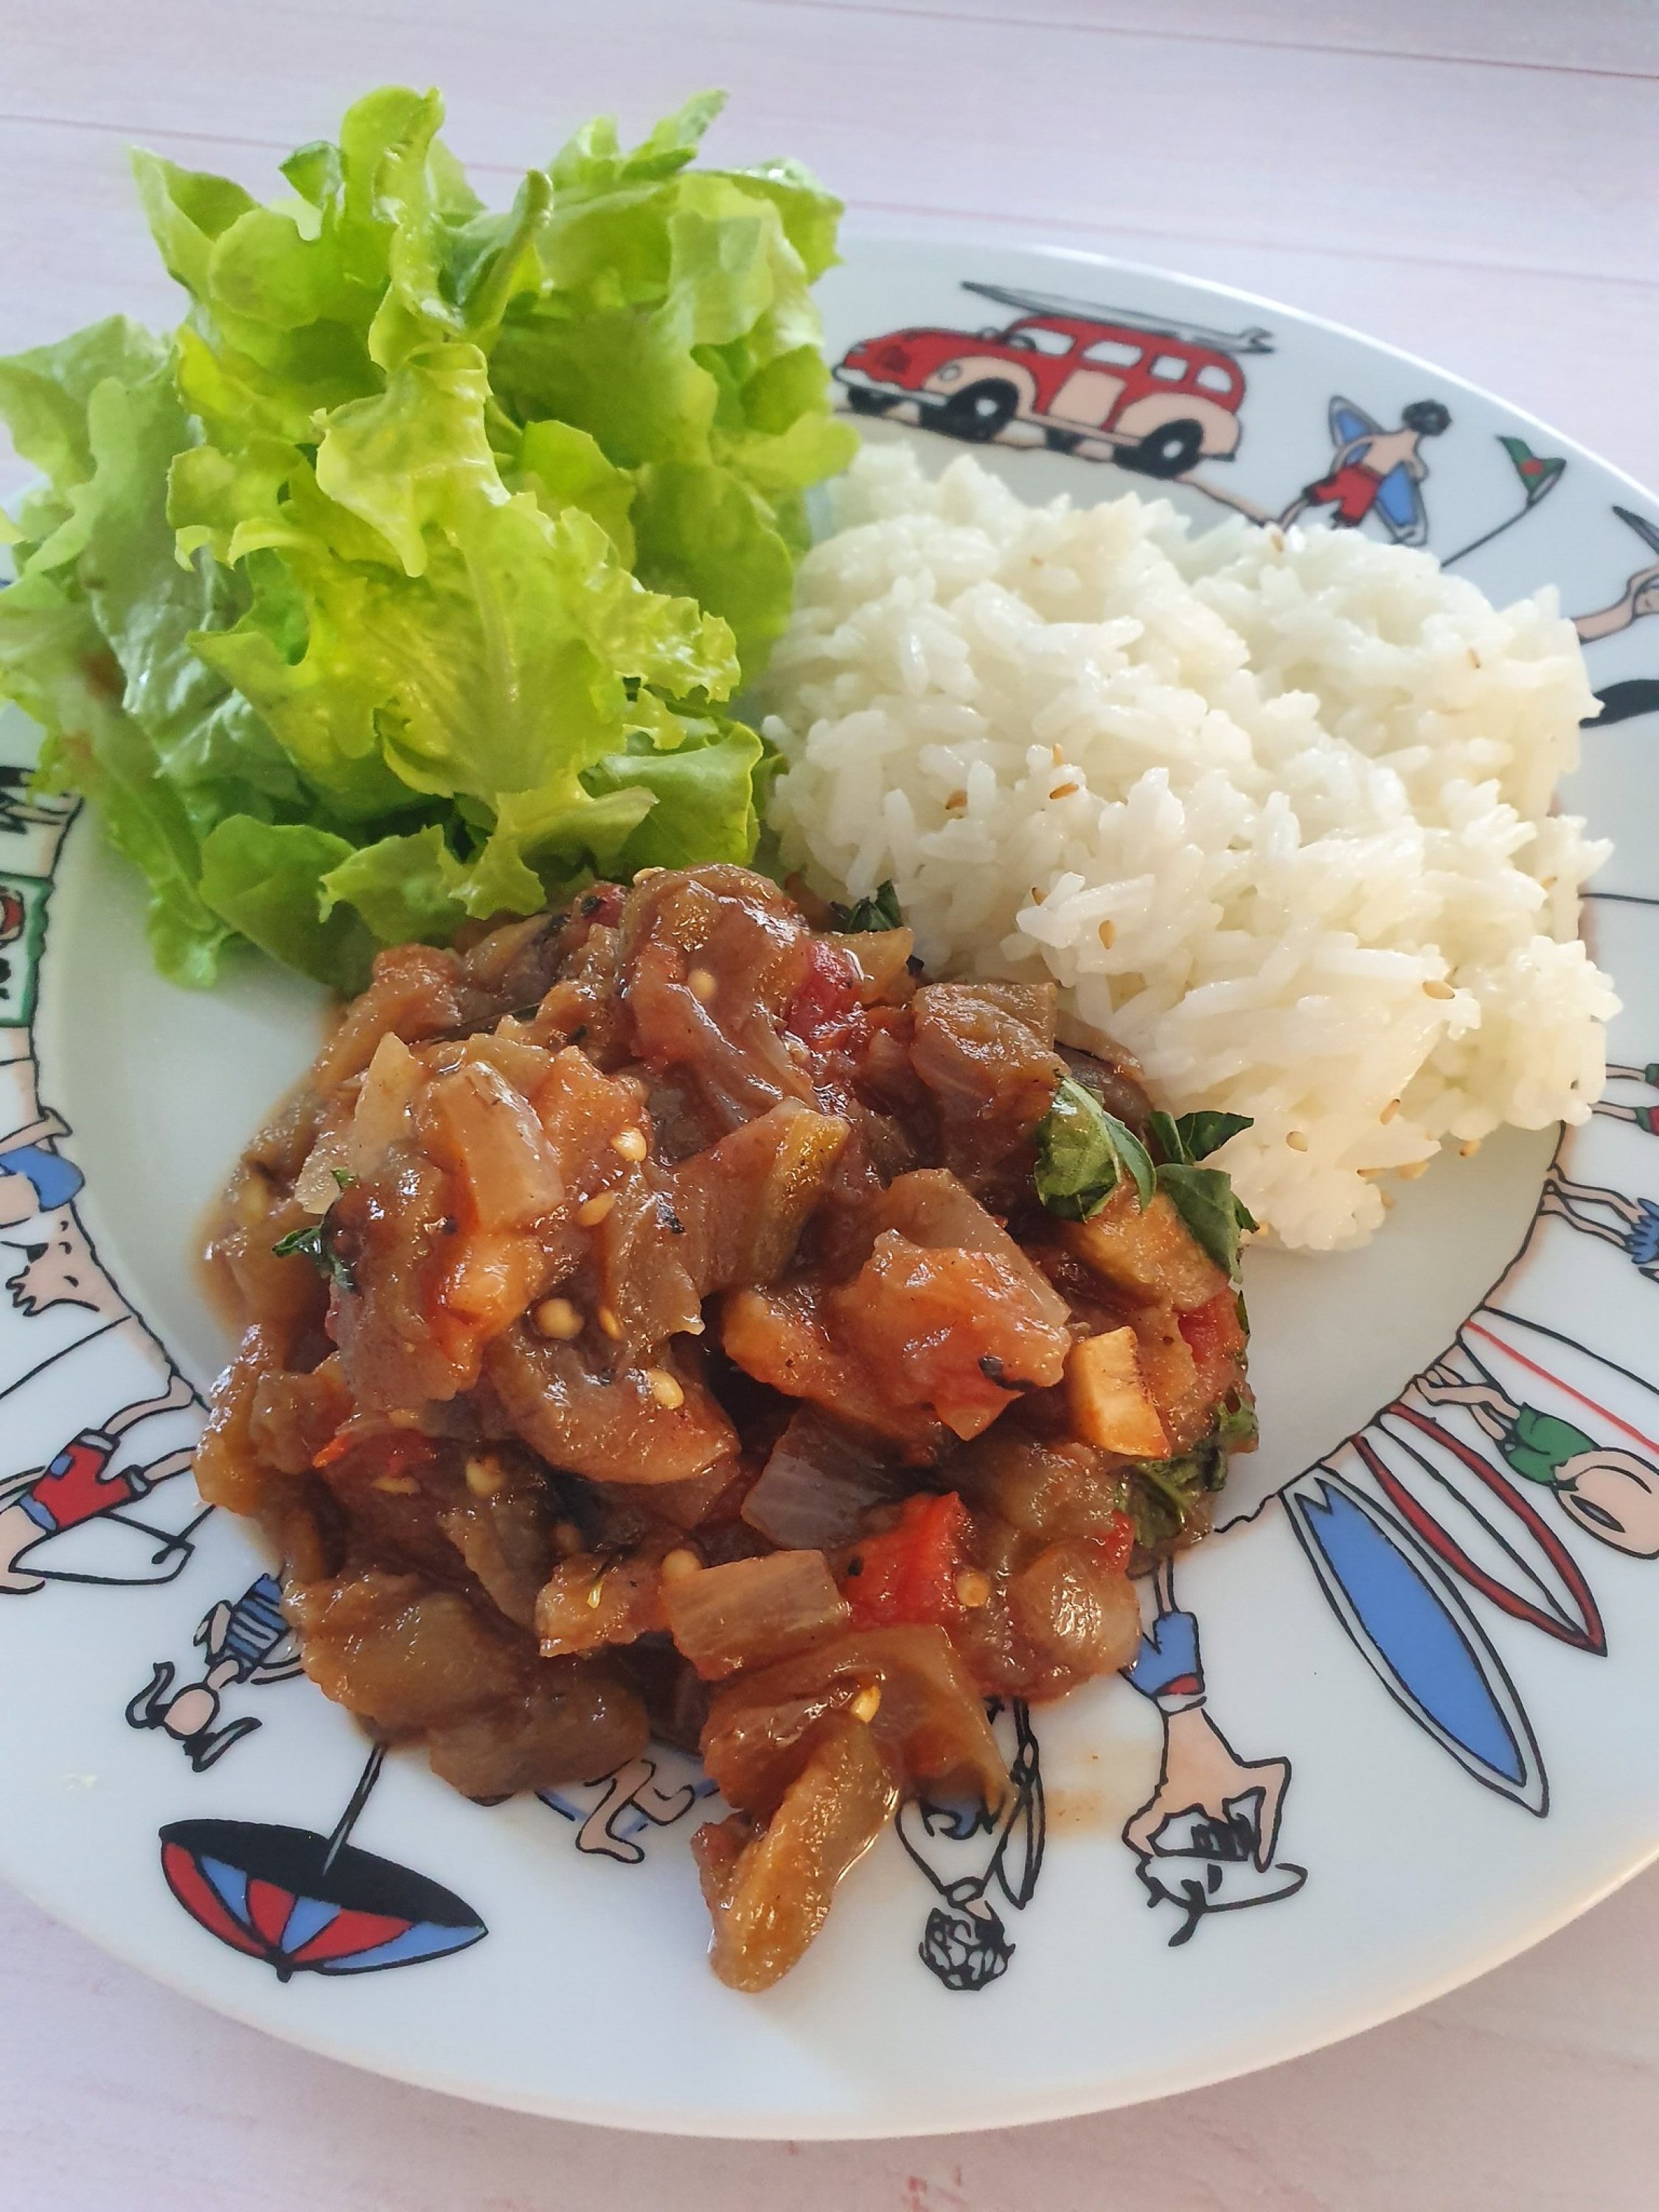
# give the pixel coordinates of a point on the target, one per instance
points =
(1207, 1838)
(1376, 471)
(1612, 1494)
(80, 1483)
(248, 1642)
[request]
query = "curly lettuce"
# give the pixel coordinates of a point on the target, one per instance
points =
(412, 577)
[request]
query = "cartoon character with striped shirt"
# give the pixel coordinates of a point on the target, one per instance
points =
(249, 1641)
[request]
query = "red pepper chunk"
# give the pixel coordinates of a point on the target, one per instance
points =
(907, 1576)
(1215, 1338)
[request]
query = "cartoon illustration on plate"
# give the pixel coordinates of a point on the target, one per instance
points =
(1538, 475)
(64, 1511)
(1153, 393)
(311, 1903)
(66, 1333)
(1436, 1501)
(1639, 1115)
(1629, 1224)
(1206, 1840)
(1623, 701)
(248, 1642)
(613, 1813)
(971, 1856)
(1611, 1492)
(1376, 471)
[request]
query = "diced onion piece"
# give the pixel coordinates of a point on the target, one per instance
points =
(482, 1129)
(750, 1611)
(319, 1182)
(1110, 1404)
(380, 1118)
(817, 1486)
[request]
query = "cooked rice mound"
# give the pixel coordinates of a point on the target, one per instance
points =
(1272, 807)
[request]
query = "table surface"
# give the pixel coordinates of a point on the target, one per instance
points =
(1472, 182)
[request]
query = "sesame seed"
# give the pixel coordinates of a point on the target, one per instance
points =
(592, 1211)
(1411, 1169)
(700, 984)
(596, 1590)
(1060, 757)
(1389, 1111)
(1387, 1203)
(867, 1704)
(397, 1486)
(664, 1389)
(678, 1564)
(557, 1318)
(956, 802)
(973, 1589)
(1434, 989)
(484, 1477)
(629, 1144)
(608, 1322)
(1468, 1151)
(1107, 933)
(1064, 790)
(1296, 1139)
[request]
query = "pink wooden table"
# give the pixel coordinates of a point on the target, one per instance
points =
(1474, 182)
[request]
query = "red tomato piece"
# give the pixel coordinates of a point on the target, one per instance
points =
(826, 1013)
(907, 1576)
(1215, 1338)
(1114, 1550)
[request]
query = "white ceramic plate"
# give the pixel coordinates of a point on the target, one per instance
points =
(1394, 1724)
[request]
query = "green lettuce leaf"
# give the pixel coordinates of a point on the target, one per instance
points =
(262, 878)
(406, 579)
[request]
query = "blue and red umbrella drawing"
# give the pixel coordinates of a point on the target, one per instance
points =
(311, 1903)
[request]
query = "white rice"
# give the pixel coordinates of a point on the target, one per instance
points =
(1258, 801)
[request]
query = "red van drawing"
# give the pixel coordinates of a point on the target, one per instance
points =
(1153, 394)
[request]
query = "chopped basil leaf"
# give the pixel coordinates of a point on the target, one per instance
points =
(1203, 1197)
(1207, 1132)
(1238, 1426)
(881, 912)
(343, 1177)
(1183, 1143)
(1164, 1494)
(315, 1243)
(1083, 1153)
